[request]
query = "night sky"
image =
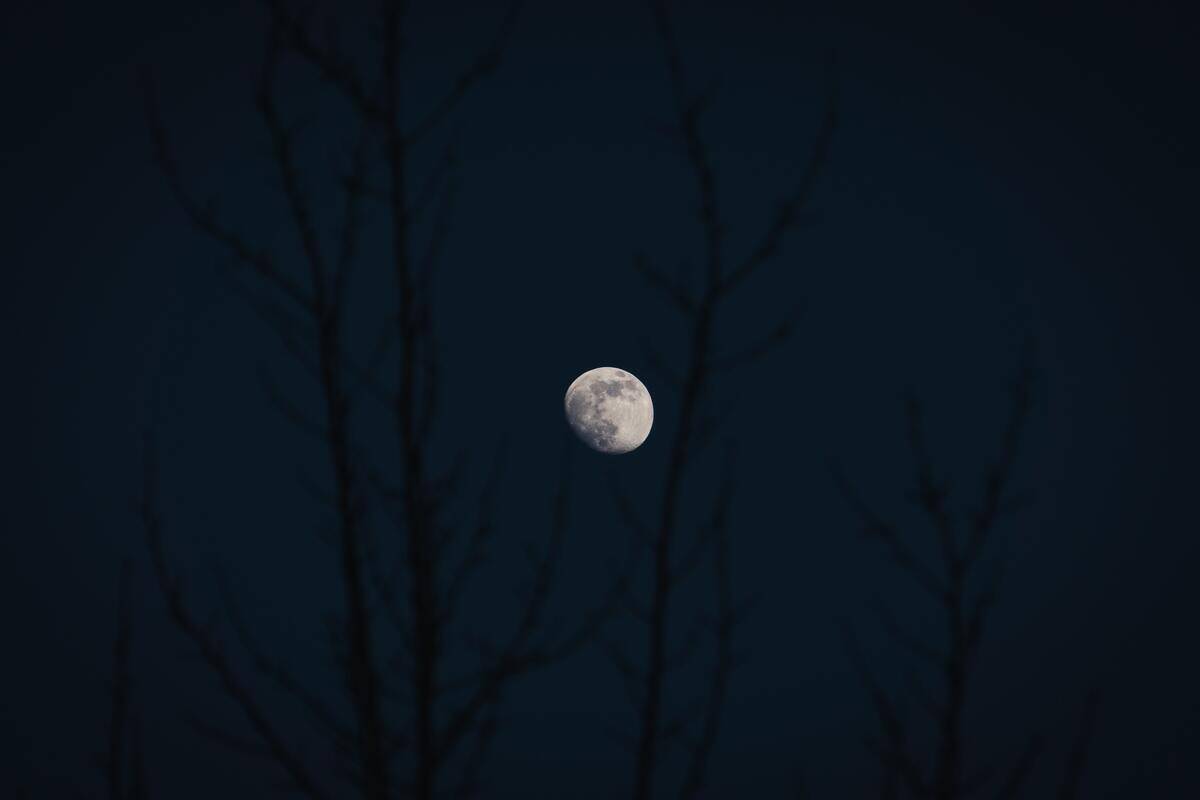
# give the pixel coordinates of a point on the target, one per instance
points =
(1015, 172)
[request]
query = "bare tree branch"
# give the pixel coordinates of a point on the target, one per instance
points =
(697, 424)
(139, 786)
(484, 65)
(788, 214)
(282, 152)
(755, 351)
(323, 717)
(967, 593)
(723, 629)
(1077, 759)
(336, 69)
(999, 472)
(1020, 772)
(893, 753)
(449, 720)
(875, 528)
(210, 650)
(671, 289)
(666, 373)
(204, 216)
(119, 720)
(475, 553)
(923, 650)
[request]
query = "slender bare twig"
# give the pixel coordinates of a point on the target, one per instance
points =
(210, 649)
(893, 752)
(444, 712)
(1077, 758)
(874, 527)
(139, 786)
(204, 216)
(324, 718)
(698, 299)
(722, 630)
(1015, 781)
(966, 593)
(119, 719)
(484, 65)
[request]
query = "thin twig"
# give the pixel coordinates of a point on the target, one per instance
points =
(210, 650)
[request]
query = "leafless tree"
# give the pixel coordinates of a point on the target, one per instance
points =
(407, 725)
(677, 550)
(963, 582)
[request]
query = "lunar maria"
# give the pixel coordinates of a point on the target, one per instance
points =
(609, 409)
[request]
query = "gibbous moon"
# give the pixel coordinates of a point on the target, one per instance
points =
(609, 409)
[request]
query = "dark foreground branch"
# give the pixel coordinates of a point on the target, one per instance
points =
(699, 298)
(210, 649)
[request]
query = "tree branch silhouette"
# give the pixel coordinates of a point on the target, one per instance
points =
(206, 641)
(698, 300)
(1077, 758)
(124, 765)
(965, 589)
(444, 738)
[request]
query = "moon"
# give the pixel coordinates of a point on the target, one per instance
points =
(609, 409)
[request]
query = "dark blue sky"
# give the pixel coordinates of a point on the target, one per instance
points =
(1004, 170)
